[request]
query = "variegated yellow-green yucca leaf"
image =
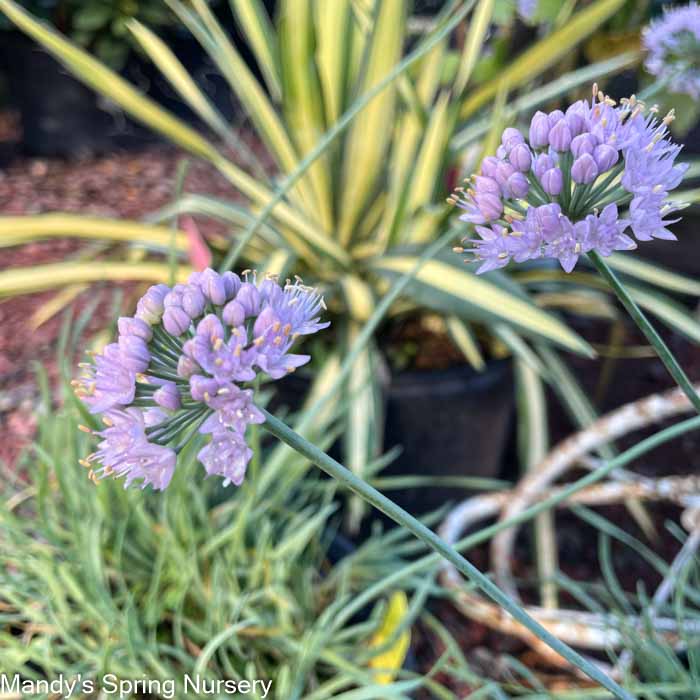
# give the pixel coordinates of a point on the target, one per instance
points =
(381, 179)
(367, 132)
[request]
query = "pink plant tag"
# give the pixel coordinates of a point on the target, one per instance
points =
(198, 251)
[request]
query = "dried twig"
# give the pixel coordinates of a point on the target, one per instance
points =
(583, 629)
(578, 628)
(632, 416)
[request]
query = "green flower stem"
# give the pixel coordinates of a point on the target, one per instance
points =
(162, 433)
(566, 163)
(400, 516)
(537, 187)
(576, 199)
(600, 188)
(425, 563)
(665, 355)
(162, 372)
(163, 352)
(516, 206)
(161, 335)
(191, 431)
(620, 200)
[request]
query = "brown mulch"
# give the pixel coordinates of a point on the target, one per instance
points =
(125, 185)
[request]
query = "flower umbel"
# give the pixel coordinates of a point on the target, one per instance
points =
(558, 193)
(179, 368)
(672, 44)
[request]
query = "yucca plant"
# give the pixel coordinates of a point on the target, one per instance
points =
(367, 140)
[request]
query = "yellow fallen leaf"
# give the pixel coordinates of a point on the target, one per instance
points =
(389, 662)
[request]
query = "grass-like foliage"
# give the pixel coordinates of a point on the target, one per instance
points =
(220, 583)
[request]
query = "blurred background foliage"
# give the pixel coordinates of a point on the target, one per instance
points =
(370, 112)
(99, 25)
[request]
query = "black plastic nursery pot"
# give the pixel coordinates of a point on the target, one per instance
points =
(63, 118)
(450, 423)
(60, 116)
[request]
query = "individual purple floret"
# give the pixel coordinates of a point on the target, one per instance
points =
(107, 382)
(672, 44)
(558, 194)
(177, 368)
(226, 455)
(167, 396)
(584, 170)
(124, 449)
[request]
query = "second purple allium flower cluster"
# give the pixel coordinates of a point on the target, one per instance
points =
(179, 367)
(672, 44)
(556, 193)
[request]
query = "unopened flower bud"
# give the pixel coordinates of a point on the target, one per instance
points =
(150, 307)
(232, 283)
(503, 172)
(193, 301)
(583, 143)
(175, 320)
(560, 136)
(543, 163)
(518, 185)
(490, 206)
(552, 181)
(605, 157)
(167, 396)
(134, 352)
(249, 298)
(186, 367)
(510, 138)
(554, 117)
(213, 286)
(134, 326)
(584, 170)
(539, 130)
(174, 297)
(575, 117)
(486, 184)
(520, 157)
(489, 166)
(233, 314)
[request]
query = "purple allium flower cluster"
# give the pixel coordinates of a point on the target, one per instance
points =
(557, 193)
(179, 367)
(526, 9)
(672, 44)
